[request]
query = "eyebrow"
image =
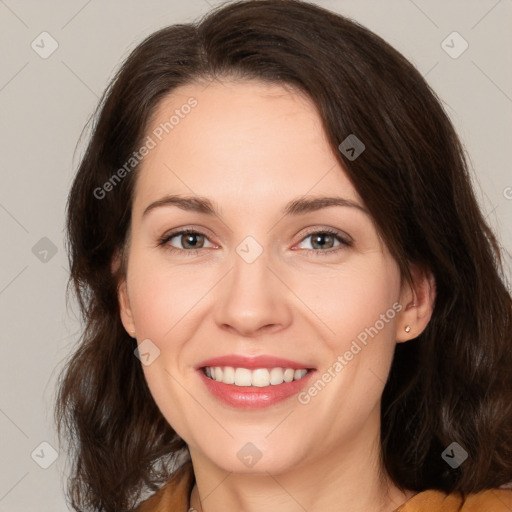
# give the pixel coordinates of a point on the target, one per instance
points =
(298, 206)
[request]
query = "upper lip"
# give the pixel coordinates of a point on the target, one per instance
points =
(262, 361)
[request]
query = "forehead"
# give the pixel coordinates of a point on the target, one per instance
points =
(241, 139)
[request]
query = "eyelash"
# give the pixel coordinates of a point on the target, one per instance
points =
(343, 242)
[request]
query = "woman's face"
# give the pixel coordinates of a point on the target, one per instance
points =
(258, 277)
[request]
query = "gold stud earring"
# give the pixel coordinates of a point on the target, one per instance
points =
(407, 328)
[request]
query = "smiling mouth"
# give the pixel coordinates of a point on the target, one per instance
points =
(259, 377)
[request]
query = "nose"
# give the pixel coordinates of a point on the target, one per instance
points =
(253, 299)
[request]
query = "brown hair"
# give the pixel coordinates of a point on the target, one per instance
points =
(451, 384)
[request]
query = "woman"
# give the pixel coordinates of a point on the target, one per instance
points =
(292, 300)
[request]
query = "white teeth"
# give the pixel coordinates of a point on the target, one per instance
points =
(242, 377)
(260, 377)
(229, 375)
(289, 374)
(299, 374)
(276, 376)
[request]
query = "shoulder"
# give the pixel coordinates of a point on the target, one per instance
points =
(488, 500)
(174, 495)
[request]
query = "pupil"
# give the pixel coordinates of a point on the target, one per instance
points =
(318, 239)
(191, 239)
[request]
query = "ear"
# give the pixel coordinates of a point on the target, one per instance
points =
(417, 300)
(123, 298)
(125, 309)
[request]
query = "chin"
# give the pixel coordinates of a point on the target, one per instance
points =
(249, 459)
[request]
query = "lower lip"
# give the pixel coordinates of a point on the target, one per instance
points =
(250, 397)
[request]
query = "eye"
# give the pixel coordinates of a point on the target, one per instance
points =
(326, 240)
(185, 240)
(191, 241)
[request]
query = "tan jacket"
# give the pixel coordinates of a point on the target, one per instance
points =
(174, 496)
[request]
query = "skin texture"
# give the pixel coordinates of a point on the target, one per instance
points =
(251, 148)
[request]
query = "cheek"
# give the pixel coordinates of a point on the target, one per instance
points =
(163, 295)
(352, 298)
(164, 300)
(359, 306)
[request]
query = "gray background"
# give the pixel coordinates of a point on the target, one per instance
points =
(45, 104)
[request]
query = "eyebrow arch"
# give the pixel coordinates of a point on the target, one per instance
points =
(298, 206)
